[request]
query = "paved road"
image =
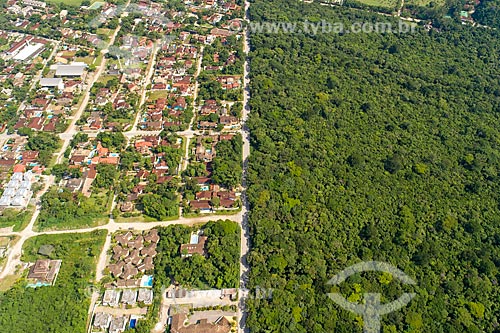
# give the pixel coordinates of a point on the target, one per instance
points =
(189, 132)
(149, 74)
(72, 128)
(245, 232)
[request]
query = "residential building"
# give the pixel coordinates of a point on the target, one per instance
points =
(44, 272)
(196, 245)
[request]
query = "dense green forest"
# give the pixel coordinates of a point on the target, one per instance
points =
(373, 147)
(226, 165)
(220, 267)
(488, 13)
(63, 307)
(63, 209)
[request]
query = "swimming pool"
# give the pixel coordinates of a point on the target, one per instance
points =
(133, 322)
(147, 281)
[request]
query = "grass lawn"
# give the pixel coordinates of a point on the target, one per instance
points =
(98, 60)
(154, 95)
(88, 60)
(15, 218)
(425, 3)
(105, 78)
(104, 31)
(7, 282)
(138, 218)
(67, 2)
(63, 307)
(381, 3)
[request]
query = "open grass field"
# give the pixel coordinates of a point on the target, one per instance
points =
(381, 3)
(139, 218)
(105, 78)
(104, 31)
(88, 60)
(426, 3)
(154, 95)
(15, 218)
(67, 2)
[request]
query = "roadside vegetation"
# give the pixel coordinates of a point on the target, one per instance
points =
(18, 219)
(374, 147)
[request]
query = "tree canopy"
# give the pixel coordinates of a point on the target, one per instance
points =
(373, 147)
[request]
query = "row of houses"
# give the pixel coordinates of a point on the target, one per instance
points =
(133, 255)
(17, 193)
(115, 297)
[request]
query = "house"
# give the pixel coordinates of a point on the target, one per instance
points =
(129, 296)
(138, 243)
(226, 137)
(202, 205)
(227, 203)
(196, 245)
(221, 325)
(44, 272)
(52, 83)
(149, 251)
(111, 297)
(119, 252)
(152, 236)
(73, 70)
(145, 296)
(228, 120)
(102, 320)
(204, 195)
(146, 265)
(116, 269)
(118, 324)
(127, 206)
(34, 3)
(123, 239)
(74, 184)
(129, 271)
(29, 156)
(207, 125)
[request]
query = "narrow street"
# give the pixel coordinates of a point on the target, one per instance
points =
(245, 232)
(149, 74)
(188, 134)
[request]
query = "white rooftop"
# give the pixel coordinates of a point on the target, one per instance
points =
(75, 69)
(28, 51)
(50, 82)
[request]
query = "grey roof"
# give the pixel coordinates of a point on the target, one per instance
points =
(129, 296)
(145, 295)
(70, 70)
(46, 250)
(5, 201)
(50, 82)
